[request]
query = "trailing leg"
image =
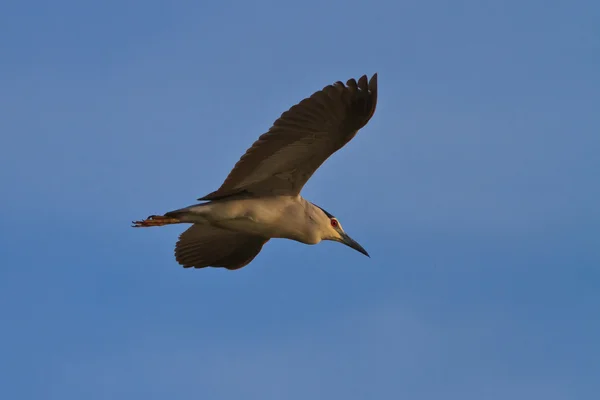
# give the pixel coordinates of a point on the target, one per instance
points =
(155, 220)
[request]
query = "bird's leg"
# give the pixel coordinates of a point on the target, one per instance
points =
(155, 220)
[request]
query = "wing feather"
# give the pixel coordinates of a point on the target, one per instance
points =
(208, 246)
(282, 160)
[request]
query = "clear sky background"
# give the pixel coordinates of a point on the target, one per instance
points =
(475, 188)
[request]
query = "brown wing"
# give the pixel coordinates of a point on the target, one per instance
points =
(207, 246)
(282, 160)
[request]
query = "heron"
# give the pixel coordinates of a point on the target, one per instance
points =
(260, 198)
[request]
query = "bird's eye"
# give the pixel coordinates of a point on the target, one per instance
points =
(334, 223)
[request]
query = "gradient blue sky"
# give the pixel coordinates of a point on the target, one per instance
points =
(475, 188)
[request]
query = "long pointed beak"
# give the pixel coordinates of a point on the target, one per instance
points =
(348, 241)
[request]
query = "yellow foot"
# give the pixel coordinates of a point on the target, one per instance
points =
(155, 220)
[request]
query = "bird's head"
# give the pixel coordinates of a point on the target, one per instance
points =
(331, 229)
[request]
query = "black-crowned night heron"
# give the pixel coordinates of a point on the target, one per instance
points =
(260, 199)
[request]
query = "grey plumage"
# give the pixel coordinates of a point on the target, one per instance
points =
(260, 198)
(282, 160)
(202, 245)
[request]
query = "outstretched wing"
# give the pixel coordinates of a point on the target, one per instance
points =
(208, 246)
(282, 160)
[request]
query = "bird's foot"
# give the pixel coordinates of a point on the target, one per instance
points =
(154, 220)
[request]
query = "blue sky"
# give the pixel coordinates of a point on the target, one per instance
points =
(474, 188)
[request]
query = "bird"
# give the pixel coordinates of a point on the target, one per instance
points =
(260, 198)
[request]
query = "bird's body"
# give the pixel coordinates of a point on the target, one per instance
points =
(286, 217)
(260, 199)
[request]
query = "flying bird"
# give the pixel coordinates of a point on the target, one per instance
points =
(260, 198)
